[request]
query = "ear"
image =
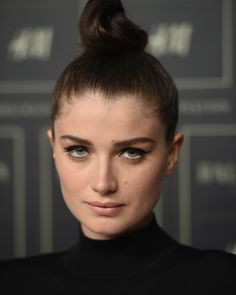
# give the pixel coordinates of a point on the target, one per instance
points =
(173, 154)
(51, 140)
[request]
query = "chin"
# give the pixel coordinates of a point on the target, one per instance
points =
(104, 228)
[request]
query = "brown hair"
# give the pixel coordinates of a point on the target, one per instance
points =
(113, 61)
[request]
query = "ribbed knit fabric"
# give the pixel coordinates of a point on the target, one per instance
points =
(121, 257)
(147, 261)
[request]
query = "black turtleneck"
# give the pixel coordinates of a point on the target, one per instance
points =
(147, 261)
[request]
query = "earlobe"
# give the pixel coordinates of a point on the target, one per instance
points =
(174, 151)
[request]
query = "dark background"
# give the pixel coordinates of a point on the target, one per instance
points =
(195, 40)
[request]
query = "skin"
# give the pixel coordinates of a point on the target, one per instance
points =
(109, 167)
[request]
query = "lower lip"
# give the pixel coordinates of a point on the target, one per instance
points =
(105, 211)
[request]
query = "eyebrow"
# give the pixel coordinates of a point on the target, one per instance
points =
(76, 139)
(133, 141)
(117, 144)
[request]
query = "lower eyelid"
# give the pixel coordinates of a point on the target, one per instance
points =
(140, 155)
(137, 155)
(76, 158)
(73, 152)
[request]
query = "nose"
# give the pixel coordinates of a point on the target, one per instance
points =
(104, 181)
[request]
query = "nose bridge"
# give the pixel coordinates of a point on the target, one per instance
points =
(104, 177)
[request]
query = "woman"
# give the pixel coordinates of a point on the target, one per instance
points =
(113, 137)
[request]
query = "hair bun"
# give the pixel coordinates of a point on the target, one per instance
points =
(104, 27)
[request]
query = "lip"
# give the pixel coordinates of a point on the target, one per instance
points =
(105, 209)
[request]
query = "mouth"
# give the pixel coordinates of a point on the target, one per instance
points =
(105, 209)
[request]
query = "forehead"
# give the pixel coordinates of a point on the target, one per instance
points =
(122, 116)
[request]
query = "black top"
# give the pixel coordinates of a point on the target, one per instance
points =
(145, 262)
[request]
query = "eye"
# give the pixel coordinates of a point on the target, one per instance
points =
(77, 152)
(133, 153)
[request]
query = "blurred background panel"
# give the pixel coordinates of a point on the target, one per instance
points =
(38, 38)
(195, 40)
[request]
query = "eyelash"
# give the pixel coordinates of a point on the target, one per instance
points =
(140, 153)
(69, 150)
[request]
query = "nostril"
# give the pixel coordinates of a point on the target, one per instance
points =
(105, 188)
(104, 191)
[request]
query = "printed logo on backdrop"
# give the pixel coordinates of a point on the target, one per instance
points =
(39, 43)
(5, 174)
(171, 39)
(211, 173)
(31, 43)
(198, 55)
(205, 106)
(207, 181)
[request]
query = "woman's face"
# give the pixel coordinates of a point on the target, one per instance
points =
(111, 158)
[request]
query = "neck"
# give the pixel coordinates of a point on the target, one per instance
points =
(128, 254)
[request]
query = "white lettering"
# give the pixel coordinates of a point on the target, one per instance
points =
(213, 107)
(24, 110)
(223, 173)
(31, 43)
(171, 39)
(4, 173)
(231, 247)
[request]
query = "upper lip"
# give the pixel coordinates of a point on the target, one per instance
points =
(105, 205)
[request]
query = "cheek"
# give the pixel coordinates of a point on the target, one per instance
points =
(67, 181)
(144, 184)
(71, 180)
(150, 185)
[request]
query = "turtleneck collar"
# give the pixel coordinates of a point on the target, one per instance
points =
(126, 255)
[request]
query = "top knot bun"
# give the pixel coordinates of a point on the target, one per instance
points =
(104, 27)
